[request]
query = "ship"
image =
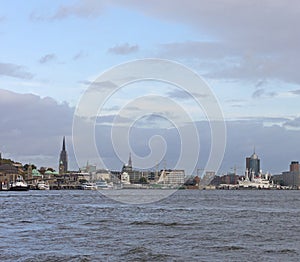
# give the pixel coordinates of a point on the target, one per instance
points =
(19, 185)
(262, 181)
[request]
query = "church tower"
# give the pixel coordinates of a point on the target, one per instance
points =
(63, 159)
(130, 161)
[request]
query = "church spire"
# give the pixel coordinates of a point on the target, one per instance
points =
(129, 160)
(64, 144)
(63, 159)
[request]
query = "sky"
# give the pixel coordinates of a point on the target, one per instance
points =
(247, 52)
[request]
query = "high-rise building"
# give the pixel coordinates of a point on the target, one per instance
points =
(294, 166)
(63, 159)
(292, 178)
(253, 164)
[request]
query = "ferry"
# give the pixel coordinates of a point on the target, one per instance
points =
(42, 185)
(102, 184)
(89, 186)
(19, 185)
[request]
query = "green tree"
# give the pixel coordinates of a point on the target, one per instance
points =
(143, 180)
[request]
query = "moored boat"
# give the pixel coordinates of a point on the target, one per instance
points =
(19, 185)
(42, 185)
(102, 184)
(89, 186)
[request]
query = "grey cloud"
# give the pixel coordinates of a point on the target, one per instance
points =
(242, 136)
(195, 49)
(81, 8)
(293, 123)
(13, 70)
(33, 126)
(260, 83)
(295, 92)
(184, 95)
(242, 29)
(47, 58)
(95, 86)
(277, 120)
(179, 93)
(85, 9)
(112, 119)
(123, 49)
(259, 93)
(250, 40)
(79, 55)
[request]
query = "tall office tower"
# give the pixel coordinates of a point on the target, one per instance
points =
(253, 164)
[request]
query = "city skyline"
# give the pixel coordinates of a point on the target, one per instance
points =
(248, 54)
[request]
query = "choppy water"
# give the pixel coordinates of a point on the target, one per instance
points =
(190, 225)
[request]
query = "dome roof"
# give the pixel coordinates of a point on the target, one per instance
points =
(35, 173)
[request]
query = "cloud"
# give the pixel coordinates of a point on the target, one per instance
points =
(294, 123)
(110, 119)
(259, 93)
(13, 70)
(238, 39)
(33, 126)
(123, 49)
(275, 157)
(295, 92)
(242, 136)
(81, 8)
(47, 58)
(79, 55)
(95, 86)
(178, 93)
(195, 49)
(184, 95)
(247, 40)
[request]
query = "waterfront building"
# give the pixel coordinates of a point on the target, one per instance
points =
(8, 173)
(292, 178)
(102, 174)
(207, 179)
(125, 179)
(128, 167)
(63, 159)
(253, 164)
(228, 179)
(134, 175)
(294, 166)
(172, 177)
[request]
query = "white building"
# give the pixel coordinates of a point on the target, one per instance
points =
(172, 177)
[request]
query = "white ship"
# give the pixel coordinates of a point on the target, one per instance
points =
(260, 182)
(89, 186)
(42, 185)
(19, 185)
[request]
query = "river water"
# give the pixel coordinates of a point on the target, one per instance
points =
(190, 225)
